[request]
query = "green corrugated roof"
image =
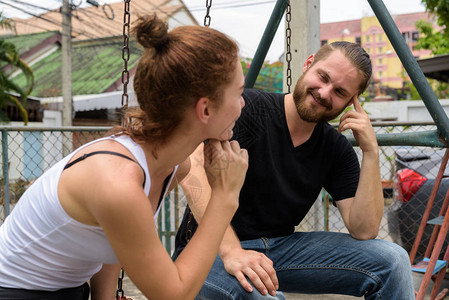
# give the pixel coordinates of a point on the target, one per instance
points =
(26, 42)
(96, 65)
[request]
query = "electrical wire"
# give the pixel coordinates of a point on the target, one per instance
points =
(31, 5)
(232, 5)
(88, 15)
(171, 16)
(31, 14)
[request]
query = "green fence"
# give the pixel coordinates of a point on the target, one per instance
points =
(27, 152)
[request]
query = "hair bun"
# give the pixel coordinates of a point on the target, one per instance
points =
(151, 32)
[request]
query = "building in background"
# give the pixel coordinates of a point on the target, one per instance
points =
(388, 72)
(97, 56)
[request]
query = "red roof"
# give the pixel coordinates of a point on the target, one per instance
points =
(340, 29)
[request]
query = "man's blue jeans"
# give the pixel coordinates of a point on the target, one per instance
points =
(322, 263)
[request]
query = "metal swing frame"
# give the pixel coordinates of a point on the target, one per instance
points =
(433, 138)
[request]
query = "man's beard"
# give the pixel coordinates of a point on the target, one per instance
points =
(308, 113)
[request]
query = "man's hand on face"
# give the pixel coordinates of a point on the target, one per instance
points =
(358, 120)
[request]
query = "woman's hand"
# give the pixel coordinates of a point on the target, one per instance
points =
(226, 165)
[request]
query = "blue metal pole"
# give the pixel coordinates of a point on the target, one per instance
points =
(265, 42)
(6, 196)
(411, 66)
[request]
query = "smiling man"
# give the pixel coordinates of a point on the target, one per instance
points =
(293, 154)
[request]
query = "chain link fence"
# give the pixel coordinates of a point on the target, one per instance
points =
(28, 152)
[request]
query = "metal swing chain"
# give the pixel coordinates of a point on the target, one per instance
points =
(120, 287)
(125, 57)
(207, 17)
(288, 53)
(120, 294)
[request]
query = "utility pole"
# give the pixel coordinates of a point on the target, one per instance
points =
(66, 63)
(305, 40)
(66, 73)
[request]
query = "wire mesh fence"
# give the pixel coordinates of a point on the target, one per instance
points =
(28, 152)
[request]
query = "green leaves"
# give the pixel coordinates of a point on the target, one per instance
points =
(9, 62)
(435, 40)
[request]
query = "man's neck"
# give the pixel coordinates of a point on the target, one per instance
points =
(300, 130)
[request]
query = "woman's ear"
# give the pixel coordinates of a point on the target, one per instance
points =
(308, 63)
(203, 109)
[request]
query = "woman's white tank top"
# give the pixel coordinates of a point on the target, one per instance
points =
(43, 248)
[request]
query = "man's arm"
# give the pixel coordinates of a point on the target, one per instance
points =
(363, 213)
(238, 262)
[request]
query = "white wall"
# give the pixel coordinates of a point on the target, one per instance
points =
(46, 152)
(401, 111)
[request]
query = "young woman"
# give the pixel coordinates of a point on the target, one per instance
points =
(94, 211)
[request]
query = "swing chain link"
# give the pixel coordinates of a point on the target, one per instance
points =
(288, 53)
(120, 286)
(125, 57)
(120, 294)
(207, 17)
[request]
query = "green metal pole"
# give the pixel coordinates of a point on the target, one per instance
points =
(428, 138)
(167, 217)
(412, 68)
(265, 42)
(6, 196)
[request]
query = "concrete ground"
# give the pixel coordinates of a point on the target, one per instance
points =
(132, 292)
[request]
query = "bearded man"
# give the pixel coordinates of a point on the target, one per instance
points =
(293, 153)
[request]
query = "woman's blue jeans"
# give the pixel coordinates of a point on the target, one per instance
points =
(322, 263)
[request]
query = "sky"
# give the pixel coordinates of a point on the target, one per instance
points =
(245, 20)
(246, 24)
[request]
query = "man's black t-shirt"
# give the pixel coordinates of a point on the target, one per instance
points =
(283, 181)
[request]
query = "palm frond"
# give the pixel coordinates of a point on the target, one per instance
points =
(7, 23)
(5, 98)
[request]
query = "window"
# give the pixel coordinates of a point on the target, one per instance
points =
(406, 36)
(358, 40)
(415, 36)
(367, 39)
(379, 61)
(379, 74)
(379, 38)
(379, 50)
(368, 50)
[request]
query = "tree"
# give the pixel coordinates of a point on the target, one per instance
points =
(441, 9)
(9, 56)
(436, 41)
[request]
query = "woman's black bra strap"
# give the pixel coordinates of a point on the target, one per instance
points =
(105, 152)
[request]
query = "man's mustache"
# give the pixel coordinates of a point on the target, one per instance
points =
(320, 100)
